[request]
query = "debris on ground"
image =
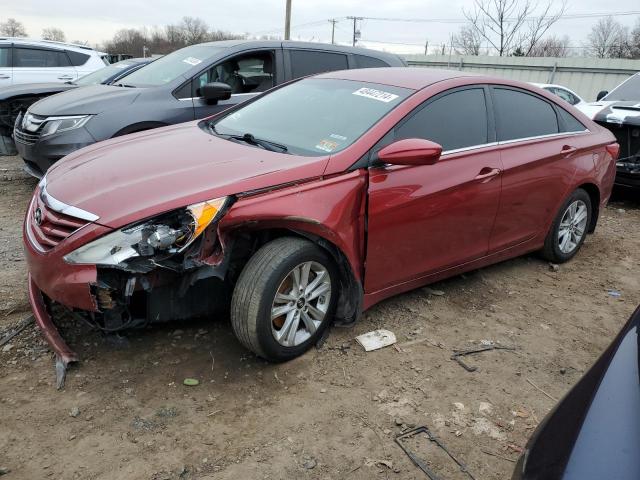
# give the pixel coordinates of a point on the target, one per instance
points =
(376, 339)
(11, 332)
(75, 411)
(457, 354)
(423, 464)
(4, 471)
(191, 382)
(614, 293)
(431, 291)
(309, 463)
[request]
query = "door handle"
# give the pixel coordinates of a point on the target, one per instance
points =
(4, 77)
(65, 77)
(568, 150)
(487, 173)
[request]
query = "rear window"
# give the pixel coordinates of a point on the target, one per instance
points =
(104, 74)
(307, 62)
(39, 58)
(522, 115)
(626, 91)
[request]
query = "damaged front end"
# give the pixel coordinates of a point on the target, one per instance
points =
(623, 120)
(161, 269)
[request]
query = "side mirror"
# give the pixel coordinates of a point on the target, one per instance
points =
(214, 91)
(411, 151)
(601, 95)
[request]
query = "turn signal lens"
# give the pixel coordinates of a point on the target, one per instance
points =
(204, 213)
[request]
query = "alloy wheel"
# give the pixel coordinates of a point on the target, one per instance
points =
(572, 226)
(300, 304)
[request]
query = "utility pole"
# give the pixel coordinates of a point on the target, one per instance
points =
(287, 21)
(426, 47)
(356, 32)
(333, 22)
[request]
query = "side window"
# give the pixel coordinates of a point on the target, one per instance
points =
(522, 115)
(39, 58)
(569, 122)
(77, 59)
(5, 57)
(455, 120)
(244, 74)
(369, 62)
(309, 62)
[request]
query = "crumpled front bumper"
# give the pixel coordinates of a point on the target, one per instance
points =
(48, 328)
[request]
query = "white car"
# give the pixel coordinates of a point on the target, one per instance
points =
(36, 61)
(564, 93)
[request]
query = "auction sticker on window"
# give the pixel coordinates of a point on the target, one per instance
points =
(326, 145)
(374, 94)
(192, 60)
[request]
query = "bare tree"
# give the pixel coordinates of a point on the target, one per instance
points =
(53, 33)
(194, 30)
(467, 41)
(634, 41)
(552, 47)
(12, 28)
(508, 25)
(609, 39)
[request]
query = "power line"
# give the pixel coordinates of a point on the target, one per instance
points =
(464, 20)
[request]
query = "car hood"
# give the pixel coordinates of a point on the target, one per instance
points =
(594, 432)
(89, 100)
(26, 89)
(620, 113)
(130, 178)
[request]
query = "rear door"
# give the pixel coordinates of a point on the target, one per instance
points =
(36, 64)
(6, 72)
(539, 160)
(424, 219)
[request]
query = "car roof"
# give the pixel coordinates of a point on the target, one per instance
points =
(48, 43)
(414, 78)
(305, 45)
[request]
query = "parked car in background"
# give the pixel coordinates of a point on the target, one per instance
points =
(283, 200)
(175, 89)
(18, 98)
(594, 432)
(619, 111)
(24, 60)
(564, 93)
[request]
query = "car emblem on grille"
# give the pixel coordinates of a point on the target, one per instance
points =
(37, 216)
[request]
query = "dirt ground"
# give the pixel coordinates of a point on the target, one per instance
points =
(334, 412)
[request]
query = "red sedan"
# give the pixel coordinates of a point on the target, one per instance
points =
(313, 202)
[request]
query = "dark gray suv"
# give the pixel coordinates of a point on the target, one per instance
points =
(170, 90)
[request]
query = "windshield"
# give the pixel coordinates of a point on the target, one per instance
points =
(315, 116)
(626, 91)
(166, 69)
(104, 74)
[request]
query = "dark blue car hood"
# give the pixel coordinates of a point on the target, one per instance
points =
(594, 432)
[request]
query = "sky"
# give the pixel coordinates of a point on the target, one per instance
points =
(96, 21)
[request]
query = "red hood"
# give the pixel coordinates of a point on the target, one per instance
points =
(134, 177)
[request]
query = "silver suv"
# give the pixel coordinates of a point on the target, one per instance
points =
(34, 61)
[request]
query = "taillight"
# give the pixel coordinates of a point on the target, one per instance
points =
(613, 149)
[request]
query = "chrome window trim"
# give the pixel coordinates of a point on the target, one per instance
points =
(538, 137)
(515, 140)
(61, 207)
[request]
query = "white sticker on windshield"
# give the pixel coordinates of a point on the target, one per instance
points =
(192, 60)
(379, 95)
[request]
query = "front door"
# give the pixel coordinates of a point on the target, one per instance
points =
(428, 218)
(248, 75)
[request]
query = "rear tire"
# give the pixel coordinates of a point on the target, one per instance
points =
(279, 278)
(569, 228)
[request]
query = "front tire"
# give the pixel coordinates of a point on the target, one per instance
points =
(284, 299)
(569, 228)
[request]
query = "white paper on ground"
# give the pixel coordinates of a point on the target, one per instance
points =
(376, 339)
